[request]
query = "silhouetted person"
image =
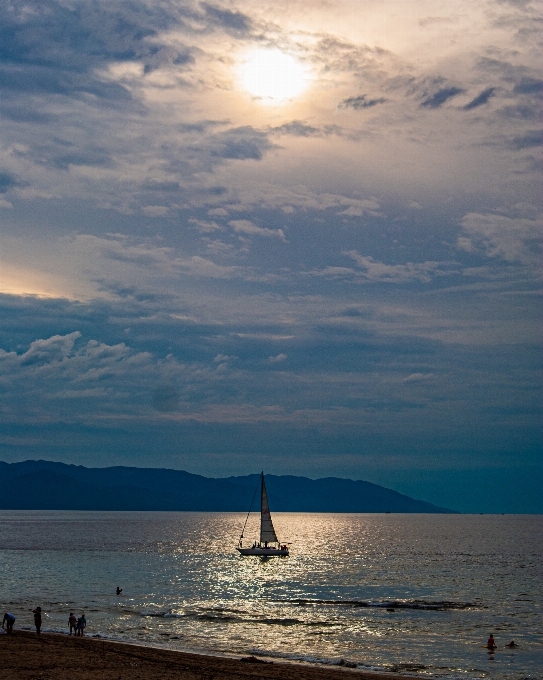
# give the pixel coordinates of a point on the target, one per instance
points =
(37, 619)
(81, 625)
(511, 644)
(8, 622)
(491, 644)
(72, 622)
(119, 590)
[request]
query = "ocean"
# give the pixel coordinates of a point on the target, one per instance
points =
(415, 594)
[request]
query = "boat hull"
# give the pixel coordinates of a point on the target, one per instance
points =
(266, 552)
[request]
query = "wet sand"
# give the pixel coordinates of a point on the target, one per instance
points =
(24, 656)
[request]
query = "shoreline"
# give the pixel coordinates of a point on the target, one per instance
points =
(300, 662)
(57, 656)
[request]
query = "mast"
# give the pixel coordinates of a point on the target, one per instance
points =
(267, 532)
(240, 542)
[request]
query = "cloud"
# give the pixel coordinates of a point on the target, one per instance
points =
(529, 139)
(429, 21)
(57, 368)
(94, 156)
(166, 398)
(359, 208)
(360, 102)
(14, 110)
(49, 47)
(515, 239)
(202, 267)
(529, 86)
(43, 80)
(205, 226)
(339, 56)
(432, 91)
(160, 57)
(240, 143)
(233, 22)
(93, 392)
(277, 359)
(175, 223)
(55, 348)
(443, 95)
(297, 128)
(7, 182)
(220, 358)
(480, 99)
(519, 112)
(301, 198)
(48, 33)
(373, 270)
(122, 248)
(157, 185)
(155, 210)
(417, 377)
(247, 227)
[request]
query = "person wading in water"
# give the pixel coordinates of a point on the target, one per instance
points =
(37, 619)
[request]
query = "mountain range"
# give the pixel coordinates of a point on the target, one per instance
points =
(48, 485)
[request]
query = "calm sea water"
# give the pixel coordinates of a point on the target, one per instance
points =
(450, 580)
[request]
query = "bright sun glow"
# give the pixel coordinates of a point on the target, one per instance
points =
(273, 76)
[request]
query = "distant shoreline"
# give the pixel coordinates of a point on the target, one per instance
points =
(56, 655)
(49, 485)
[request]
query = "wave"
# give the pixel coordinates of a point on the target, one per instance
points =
(233, 616)
(165, 615)
(236, 616)
(64, 631)
(347, 663)
(279, 622)
(433, 605)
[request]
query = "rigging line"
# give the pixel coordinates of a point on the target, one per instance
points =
(250, 508)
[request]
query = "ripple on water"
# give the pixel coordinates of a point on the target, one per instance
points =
(449, 579)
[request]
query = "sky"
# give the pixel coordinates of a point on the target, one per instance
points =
(303, 237)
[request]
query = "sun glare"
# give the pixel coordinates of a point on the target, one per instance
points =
(273, 76)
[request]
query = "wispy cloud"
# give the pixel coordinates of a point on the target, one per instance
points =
(439, 98)
(480, 99)
(247, 227)
(515, 239)
(361, 102)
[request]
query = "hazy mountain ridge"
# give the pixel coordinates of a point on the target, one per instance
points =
(48, 485)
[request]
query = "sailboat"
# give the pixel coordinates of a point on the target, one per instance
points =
(268, 545)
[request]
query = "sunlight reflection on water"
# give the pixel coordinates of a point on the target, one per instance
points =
(450, 580)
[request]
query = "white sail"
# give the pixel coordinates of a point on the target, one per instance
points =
(267, 532)
(268, 537)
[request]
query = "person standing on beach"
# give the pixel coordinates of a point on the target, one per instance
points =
(81, 625)
(72, 622)
(8, 622)
(37, 619)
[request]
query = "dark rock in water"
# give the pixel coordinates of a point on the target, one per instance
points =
(346, 664)
(253, 659)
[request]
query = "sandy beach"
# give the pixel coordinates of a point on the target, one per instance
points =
(24, 656)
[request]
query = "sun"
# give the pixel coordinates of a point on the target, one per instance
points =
(273, 76)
